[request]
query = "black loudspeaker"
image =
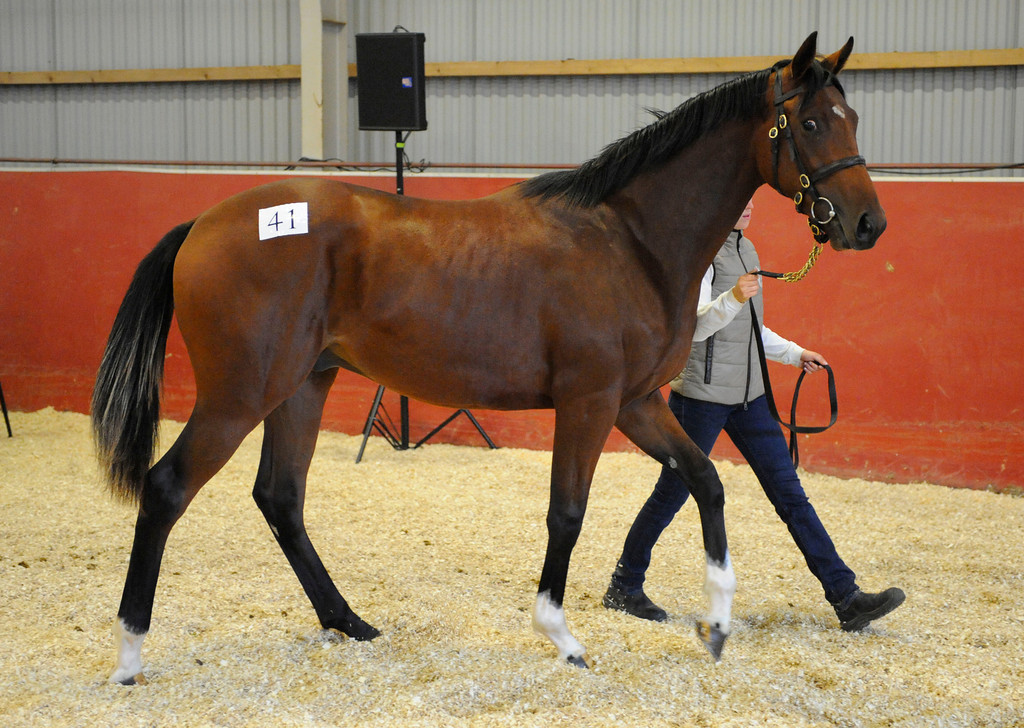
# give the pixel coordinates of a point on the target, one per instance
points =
(389, 73)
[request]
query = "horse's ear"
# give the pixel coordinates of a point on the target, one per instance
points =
(837, 60)
(804, 57)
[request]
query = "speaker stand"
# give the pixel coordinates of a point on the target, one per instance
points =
(378, 419)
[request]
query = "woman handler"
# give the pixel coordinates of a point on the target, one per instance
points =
(722, 389)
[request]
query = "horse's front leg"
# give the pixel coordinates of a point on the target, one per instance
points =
(650, 424)
(581, 428)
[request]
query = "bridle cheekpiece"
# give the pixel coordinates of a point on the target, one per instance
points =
(807, 179)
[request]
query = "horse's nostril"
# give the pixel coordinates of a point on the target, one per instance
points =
(865, 229)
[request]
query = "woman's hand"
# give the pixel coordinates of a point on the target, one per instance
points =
(746, 287)
(812, 361)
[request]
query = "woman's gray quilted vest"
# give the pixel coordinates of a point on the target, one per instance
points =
(724, 368)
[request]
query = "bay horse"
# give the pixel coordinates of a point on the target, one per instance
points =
(574, 290)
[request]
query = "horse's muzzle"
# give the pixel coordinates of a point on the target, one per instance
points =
(870, 225)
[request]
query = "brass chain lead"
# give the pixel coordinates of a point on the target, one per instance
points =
(811, 260)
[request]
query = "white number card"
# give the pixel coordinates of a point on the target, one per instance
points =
(290, 219)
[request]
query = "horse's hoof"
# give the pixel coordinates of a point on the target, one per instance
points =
(137, 679)
(712, 637)
(360, 633)
(364, 632)
(355, 628)
(581, 661)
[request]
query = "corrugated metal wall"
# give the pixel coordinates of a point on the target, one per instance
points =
(159, 121)
(943, 115)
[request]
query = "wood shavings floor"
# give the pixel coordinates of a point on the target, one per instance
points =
(441, 549)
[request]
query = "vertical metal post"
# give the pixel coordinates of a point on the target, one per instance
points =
(399, 156)
(403, 401)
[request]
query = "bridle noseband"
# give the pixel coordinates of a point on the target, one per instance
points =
(807, 180)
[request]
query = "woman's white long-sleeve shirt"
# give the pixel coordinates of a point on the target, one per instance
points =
(713, 315)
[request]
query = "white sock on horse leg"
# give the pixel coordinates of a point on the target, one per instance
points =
(719, 587)
(549, 621)
(129, 655)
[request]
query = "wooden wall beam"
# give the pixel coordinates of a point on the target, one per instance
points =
(152, 75)
(569, 67)
(729, 64)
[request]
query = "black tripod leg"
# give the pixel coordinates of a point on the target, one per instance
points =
(452, 417)
(437, 429)
(370, 419)
(480, 429)
(3, 404)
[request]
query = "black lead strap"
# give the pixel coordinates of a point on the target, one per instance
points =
(794, 429)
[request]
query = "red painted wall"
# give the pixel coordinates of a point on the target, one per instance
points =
(923, 331)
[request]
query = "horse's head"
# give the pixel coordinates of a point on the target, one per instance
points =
(807, 150)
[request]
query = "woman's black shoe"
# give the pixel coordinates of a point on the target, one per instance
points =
(860, 609)
(637, 604)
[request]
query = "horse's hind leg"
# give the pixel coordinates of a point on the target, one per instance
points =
(289, 438)
(205, 444)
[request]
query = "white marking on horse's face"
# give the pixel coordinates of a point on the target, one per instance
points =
(672, 463)
(549, 621)
(719, 587)
(838, 111)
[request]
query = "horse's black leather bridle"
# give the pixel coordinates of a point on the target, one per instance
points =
(807, 188)
(807, 180)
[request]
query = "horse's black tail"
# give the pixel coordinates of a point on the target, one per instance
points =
(126, 398)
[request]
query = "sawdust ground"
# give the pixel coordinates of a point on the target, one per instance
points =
(441, 548)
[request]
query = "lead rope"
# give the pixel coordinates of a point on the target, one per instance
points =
(797, 275)
(794, 429)
(792, 426)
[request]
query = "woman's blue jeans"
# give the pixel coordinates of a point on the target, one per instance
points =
(760, 440)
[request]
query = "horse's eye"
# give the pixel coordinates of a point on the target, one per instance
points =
(810, 125)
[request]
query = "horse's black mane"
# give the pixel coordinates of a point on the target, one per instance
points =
(593, 181)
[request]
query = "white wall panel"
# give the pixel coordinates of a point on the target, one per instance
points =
(240, 32)
(935, 116)
(156, 121)
(26, 36)
(120, 121)
(939, 115)
(111, 34)
(882, 26)
(448, 24)
(28, 122)
(943, 115)
(253, 121)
